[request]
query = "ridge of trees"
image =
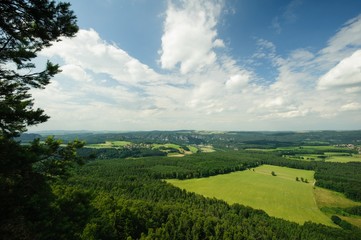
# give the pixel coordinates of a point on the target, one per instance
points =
(229, 140)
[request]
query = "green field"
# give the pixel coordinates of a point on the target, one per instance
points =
(327, 153)
(207, 148)
(343, 159)
(280, 196)
(332, 203)
(320, 148)
(330, 157)
(192, 149)
(167, 145)
(172, 150)
(330, 199)
(109, 144)
(299, 148)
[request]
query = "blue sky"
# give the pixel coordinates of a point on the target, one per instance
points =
(207, 65)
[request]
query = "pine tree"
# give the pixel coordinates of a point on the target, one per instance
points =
(26, 27)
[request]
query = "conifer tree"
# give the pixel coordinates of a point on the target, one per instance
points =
(26, 27)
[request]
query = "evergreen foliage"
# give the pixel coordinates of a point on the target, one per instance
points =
(26, 27)
(354, 210)
(131, 202)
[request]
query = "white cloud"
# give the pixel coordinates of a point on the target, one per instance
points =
(299, 87)
(88, 51)
(323, 84)
(342, 44)
(265, 48)
(346, 74)
(206, 95)
(103, 87)
(75, 72)
(190, 35)
(302, 55)
(353, 106)
(236, 82)
(218, 43)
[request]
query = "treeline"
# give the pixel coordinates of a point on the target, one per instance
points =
(229, 140)
(189, 166)
(203, 164)
(124, 152)
(122, 199)
(341, 177)
(354, 210)
(301, 151)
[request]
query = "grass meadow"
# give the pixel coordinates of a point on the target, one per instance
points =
(330, 154)
(343, 159)
(109, 144)
(331, 203)
(181, 152)
(332, 157)
(167, 145)
(207, 148)
(280, 196)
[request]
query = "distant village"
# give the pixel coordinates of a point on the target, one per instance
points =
(350, 146)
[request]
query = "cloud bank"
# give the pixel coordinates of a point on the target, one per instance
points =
(199, 85)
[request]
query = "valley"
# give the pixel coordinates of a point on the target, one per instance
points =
(192, 185)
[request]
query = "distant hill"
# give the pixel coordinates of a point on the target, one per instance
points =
(233, 139)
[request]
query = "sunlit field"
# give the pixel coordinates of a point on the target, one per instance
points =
(280, 195)
(323, 153)
(331, 202)
(343, 159)
(109, 144)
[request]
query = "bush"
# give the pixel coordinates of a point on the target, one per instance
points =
(336, 220)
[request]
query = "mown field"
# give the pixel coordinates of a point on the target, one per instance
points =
(280, 196)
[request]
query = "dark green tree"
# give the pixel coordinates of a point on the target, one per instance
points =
(26, 27)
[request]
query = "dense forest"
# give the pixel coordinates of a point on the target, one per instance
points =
(127, 198)
(130, 200)
(340, 177)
